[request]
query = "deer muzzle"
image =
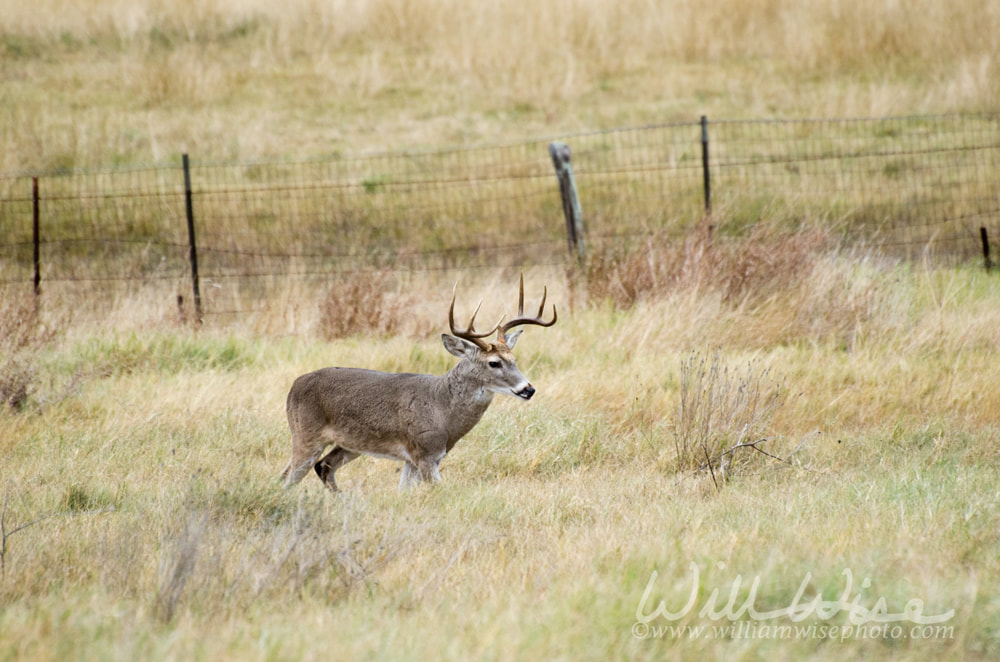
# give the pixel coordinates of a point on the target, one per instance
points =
(526, 392)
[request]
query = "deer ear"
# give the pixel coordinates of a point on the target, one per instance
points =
(510, 339)
(458, 346)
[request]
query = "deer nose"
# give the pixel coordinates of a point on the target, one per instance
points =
(526, 392)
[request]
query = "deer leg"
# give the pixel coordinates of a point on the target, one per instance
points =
(426, 471)
(327, 467)
(407, 476)
(423, 465)
(304, 456)
(428, 468)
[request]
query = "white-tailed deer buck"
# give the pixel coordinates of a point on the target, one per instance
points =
(415, 419)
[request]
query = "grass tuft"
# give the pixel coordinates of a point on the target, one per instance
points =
(720, 408)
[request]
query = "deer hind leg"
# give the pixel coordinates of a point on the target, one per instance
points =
(328, 466)
(305, 453)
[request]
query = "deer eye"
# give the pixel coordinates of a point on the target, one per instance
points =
(494, 364)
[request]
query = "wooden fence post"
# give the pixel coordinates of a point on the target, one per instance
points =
(560, 153)
(189, 207)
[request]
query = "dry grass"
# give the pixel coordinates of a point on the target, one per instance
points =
(723, 413)
(145, 81)
(23, 336)
(800, 284)
(743, 271)
(157, 480)
(363, 302)
(142, 515)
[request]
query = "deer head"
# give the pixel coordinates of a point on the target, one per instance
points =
(493, 361)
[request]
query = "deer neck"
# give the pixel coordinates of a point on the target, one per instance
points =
(465, 391)
(466, 398)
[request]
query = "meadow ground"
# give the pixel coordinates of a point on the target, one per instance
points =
(142, 516)
(144, 467)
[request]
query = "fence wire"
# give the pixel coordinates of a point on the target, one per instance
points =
(909, 184)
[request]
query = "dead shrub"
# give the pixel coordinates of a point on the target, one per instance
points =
(766, 263)
(363, 302)
(751, 268)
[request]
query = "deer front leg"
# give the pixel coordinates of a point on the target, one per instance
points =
(426, 471)
(407, 477)
(429, 470)
(423, 464)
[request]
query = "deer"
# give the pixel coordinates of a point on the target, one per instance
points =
(410, 418)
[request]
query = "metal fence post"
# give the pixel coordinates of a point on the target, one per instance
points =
(706, 177)
(560, 153)
(189, 207)
(984, 237)
(36, 239)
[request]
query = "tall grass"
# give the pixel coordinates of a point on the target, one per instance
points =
(152, 485)
(136, 82)
(362, 303)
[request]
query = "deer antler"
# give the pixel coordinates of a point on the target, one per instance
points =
(470, 333)
(520, 319)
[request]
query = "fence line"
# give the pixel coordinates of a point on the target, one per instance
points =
(908, 183)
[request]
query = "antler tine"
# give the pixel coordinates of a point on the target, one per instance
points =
(537, 319)
(470, 333)
(472, 320)
(520, 297)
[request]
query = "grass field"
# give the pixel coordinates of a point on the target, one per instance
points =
(98, 82)
(142, 516)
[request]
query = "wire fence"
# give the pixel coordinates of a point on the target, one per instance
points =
(912, 185)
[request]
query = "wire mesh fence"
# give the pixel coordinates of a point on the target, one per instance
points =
(909, 184)
(912, 183)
